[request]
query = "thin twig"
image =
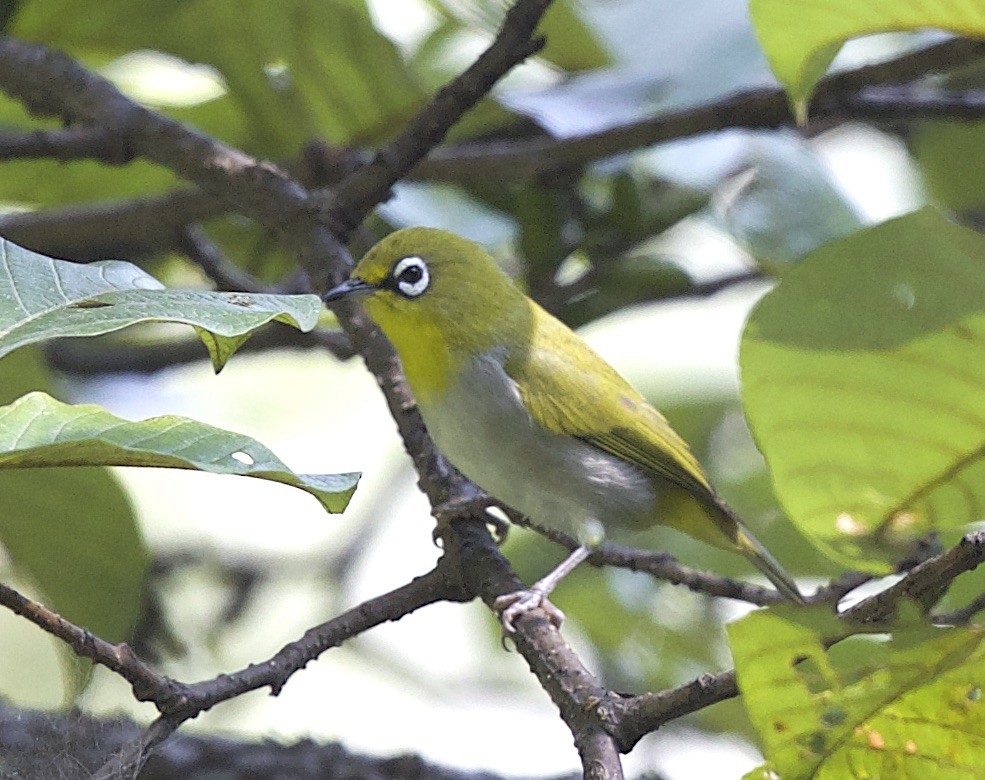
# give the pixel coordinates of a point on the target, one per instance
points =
(369, 185)
(208, 256)
(963, 616)
(147, 684)
(661, 565)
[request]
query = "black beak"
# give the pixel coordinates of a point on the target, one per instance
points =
(348, 288)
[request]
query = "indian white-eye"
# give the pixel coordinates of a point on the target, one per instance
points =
(529, 412)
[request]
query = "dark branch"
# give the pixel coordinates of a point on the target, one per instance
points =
(924, 584)
(208, 256)
(73, 745)
(92, 143)
(370, 184)
(909, 102)
(148, 225)
(145, 682)
(661, 565)
(584, 703)
(642, 715)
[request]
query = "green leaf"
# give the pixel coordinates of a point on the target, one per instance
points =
(75, 533)
(865, 708)
(42, 299)
(862, 378)
(801, 39)
(953, 168)
(37, 430)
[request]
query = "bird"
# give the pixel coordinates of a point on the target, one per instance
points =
(528, 411)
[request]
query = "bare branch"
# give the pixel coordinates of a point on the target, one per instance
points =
(133, 228)
(146, 683)
(924, 583)
(208, 256)
(584, 703)
(642, 715)
(661, 565)
(963, 616)
(93, 143)
(765, 108)
(909, 102)
(370, 184)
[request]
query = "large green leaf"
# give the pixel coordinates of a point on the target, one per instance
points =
(863, 378)
(74, 532)
(36, 431)
(801, 39)
(43, 299)
(910, 707)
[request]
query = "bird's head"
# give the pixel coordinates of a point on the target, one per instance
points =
(430, 279)
(433, 292)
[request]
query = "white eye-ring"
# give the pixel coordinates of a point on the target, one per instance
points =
(411, 275)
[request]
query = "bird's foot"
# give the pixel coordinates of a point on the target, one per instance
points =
(511, 606)
(474, 504)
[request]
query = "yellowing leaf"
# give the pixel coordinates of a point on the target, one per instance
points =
(905, 708)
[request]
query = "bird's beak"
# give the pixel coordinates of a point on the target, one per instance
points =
(349, 288)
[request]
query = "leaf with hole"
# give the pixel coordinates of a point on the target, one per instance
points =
(867, 707)
(37, 430)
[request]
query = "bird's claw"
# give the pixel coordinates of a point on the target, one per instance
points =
(511, 606)
(475, 505)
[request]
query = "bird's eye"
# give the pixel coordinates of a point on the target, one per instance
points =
(411, 276)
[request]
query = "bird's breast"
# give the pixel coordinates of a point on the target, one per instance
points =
(482, 426)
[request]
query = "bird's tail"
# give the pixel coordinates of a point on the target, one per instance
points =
(760, 557)
(747, 544)
(709, 519)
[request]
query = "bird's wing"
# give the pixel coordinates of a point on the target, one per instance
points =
(568, 389)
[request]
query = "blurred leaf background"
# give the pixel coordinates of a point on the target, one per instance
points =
(619, 248)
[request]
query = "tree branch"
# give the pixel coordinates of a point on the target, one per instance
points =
(638, 716)
(74, 143)
(661, 565)
(153, 224)
(370, 184)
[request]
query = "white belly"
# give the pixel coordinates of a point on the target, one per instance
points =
(485, 431)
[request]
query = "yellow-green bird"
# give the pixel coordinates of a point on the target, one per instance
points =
(529, 412)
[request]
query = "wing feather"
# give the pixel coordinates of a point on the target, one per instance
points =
(581, 395)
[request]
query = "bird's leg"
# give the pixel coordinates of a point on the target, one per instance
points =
(512, 605)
